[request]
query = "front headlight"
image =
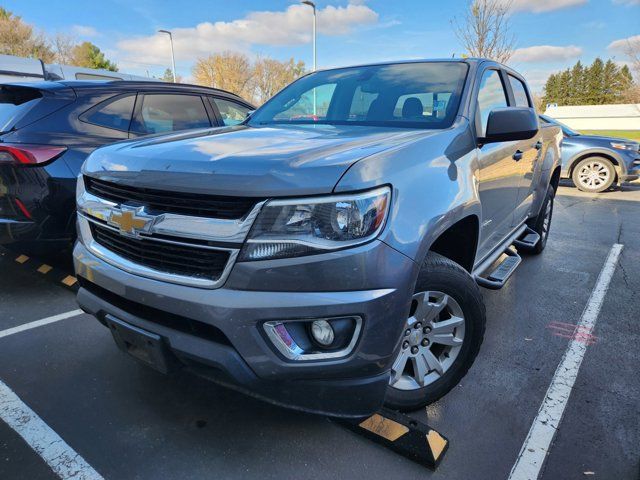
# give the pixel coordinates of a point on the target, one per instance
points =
(626, 146)
(291, 228)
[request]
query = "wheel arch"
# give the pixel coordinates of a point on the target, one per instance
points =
(459, 242)
(596, 153)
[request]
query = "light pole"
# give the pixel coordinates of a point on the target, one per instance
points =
(313, 5)
(173, 58)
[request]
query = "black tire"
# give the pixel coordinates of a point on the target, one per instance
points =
(600, 164)
(538, 224)
(441, 274)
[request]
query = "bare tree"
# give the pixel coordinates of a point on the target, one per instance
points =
(228, 70)
(270, 76)
(63, 46)
(19, 38)
(632, 50)
(485, 30)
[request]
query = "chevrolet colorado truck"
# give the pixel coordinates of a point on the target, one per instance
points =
(326, 254)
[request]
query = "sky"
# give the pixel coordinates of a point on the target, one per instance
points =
(550, 34)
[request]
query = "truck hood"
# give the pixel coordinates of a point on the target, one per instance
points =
(246, 161)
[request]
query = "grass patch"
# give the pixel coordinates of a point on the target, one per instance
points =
(629, 134)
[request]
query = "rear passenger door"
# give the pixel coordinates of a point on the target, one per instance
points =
(229, 112)
(499, 171)
(168, 112)
(530, 151)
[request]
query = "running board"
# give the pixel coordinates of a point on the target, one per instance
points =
(499, 276)
(528, 240)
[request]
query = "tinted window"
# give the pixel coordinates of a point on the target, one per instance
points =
(15, 102)
(114, 113)
(412, 95)
(519, 92)
(232, 113)
(167, 113)
(490, 96)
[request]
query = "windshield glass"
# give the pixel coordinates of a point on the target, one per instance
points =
(410, 95)
(565, 129)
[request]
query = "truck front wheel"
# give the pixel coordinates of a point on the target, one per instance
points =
(441, 338)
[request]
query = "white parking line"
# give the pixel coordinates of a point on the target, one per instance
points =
(40, 323)
(62, 459)
(536, 446)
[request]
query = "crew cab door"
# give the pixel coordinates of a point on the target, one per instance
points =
(529, 151)
(499, 173)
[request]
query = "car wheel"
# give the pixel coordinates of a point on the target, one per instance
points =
(593, 174)
(441, 337)
(541, 224)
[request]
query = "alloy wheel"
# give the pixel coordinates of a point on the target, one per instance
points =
(432, 339)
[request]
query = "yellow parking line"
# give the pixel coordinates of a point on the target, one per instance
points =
(22, 259)
(44, 268)
(69, 280)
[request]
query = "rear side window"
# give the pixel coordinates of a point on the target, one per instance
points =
(232, 113)
(519, 92)
(167, 113)
(15, 102)
(114, 113)
(490, 96)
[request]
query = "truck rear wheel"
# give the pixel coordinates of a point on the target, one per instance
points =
(441, 338)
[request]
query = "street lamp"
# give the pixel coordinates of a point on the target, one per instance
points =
(313, 5)
(173, 58)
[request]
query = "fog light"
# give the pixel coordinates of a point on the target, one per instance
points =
(322, 332)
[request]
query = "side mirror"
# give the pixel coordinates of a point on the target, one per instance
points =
(511, 123)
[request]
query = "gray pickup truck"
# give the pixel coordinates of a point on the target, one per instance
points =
(327, 253)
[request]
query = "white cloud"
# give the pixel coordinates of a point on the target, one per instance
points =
(546, 53)
(539, 6)
(289, 27)
(622, 44)
(84, 31)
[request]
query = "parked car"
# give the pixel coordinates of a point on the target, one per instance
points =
(595, 163)
(22, 69)
(324, 255)
(47, 129)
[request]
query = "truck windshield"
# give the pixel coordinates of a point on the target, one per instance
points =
(409, 95)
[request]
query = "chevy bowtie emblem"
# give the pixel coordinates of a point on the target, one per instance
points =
(130, 220)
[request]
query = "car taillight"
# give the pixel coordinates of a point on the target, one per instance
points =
(24, 154)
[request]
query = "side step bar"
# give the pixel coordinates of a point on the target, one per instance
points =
(503, 271)
(528, 240)
(499, 276)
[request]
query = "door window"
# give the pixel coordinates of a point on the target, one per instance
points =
(519, 92)
(114, 113)
(490, 96)
(232, 113)
(167, 113)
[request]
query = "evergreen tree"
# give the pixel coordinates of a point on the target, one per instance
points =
(576, 86)
(89, 55)
(598, 84)
(594, 84)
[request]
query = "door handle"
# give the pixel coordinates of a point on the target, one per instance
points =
(538, 145)
(517, 156)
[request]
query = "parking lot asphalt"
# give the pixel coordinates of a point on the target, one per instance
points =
(129, 422)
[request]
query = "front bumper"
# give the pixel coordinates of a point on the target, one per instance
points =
(225, 339)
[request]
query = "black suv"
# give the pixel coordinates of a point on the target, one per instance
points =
(47, 130)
